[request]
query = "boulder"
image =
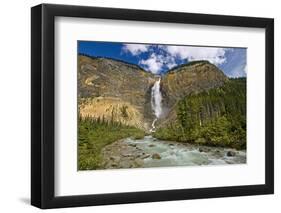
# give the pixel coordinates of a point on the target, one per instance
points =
(204, 149)
(230, 154)
(156, 156)
(138, 162)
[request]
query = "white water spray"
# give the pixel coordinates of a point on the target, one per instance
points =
(156, 102)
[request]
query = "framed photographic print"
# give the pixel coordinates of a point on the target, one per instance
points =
(139, 106)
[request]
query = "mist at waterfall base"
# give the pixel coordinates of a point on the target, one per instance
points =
(156, 102)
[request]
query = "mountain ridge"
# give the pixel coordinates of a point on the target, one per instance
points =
(113, 59)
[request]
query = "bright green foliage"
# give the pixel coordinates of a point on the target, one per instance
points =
(94, 134)
(216, 117)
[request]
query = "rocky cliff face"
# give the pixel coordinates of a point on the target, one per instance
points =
(114, 90)
(110, 78)
(121, 91)
(194, 77)
(187, 79)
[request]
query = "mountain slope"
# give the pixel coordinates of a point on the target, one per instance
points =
(119, 86)
(214, 117)
(193, 77)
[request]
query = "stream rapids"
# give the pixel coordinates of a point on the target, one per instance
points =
(151, 152)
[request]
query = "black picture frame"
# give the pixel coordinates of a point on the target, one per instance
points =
(43, 102)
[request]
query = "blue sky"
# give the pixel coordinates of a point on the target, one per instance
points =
(158, 59)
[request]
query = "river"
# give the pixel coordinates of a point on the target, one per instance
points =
(151, 152)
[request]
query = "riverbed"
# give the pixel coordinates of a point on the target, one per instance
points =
(151, 152)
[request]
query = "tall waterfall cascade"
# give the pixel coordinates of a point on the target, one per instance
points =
(156, 102)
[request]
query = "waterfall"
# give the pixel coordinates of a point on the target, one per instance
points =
(156, 102)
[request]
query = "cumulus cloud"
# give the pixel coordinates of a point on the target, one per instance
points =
(213, 55)
(160, 57)
(154, 63)
(135, 49)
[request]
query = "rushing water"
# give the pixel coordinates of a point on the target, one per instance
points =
(179, 154)
(156, 102)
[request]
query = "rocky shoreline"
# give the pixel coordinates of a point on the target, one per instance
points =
(123, 155)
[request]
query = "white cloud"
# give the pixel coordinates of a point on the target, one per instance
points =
(161, 56)
(135, 49)
(154, 63)
(169, 61)
(213, 55)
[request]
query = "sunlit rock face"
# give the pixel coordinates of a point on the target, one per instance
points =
(190, 78)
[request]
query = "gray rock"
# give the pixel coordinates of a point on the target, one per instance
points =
(156, 156)
(138, 162)
(230, 154)
(204, 149)
(125, 164)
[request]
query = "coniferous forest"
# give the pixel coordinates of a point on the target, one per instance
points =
(216, 117)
